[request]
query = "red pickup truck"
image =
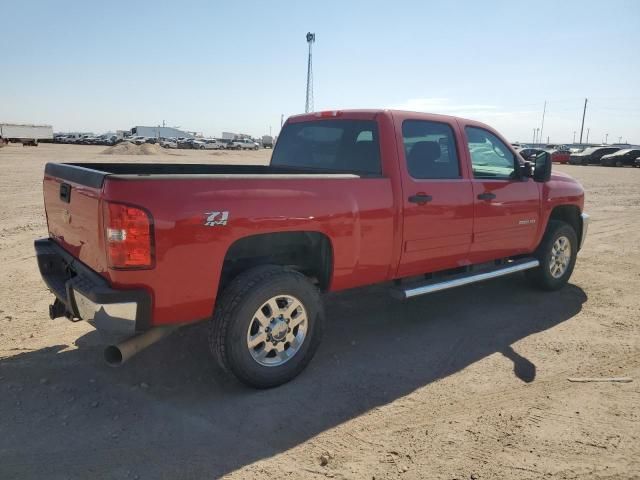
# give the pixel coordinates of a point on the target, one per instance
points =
(350, 198)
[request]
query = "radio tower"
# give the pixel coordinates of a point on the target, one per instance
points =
(308, 105)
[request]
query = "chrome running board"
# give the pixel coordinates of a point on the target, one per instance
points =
(458, 280)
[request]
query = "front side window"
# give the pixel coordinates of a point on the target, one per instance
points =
(330, 145)
(490, 157)
(430, 150)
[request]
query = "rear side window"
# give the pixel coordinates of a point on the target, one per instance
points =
(430, 150)
(330, 145)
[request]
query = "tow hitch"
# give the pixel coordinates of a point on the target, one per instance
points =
(58, 309)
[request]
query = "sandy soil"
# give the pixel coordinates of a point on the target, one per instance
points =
(470, 383)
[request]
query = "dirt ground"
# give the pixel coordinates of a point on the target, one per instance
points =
(464, 384)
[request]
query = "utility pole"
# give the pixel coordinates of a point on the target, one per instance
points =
(606, 137)
(582, 127)
(619, 139)
(537, 136)
(308, 106)
(544, 110)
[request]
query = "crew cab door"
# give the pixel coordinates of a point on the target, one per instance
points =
(506, 206)
(437, 198)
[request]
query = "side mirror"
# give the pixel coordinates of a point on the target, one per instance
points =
(542, 167)
(526, 169)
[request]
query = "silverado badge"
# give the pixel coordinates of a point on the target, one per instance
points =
(214, 219)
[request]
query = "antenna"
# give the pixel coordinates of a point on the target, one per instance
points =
(308, 106)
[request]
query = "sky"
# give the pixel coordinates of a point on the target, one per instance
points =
(213, 66)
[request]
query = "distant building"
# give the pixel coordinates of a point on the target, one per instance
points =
(163, 132)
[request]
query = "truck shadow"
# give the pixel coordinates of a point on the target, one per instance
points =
(171, 414)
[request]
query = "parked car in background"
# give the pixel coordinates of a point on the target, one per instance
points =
(184, 143)
(560, 148)
(267, 141)
(591, 155)
(528, 153)
(138, 140)
(621, 158)
(110, 140)
(151, 140)
(225, 142)
(212, 144)
(169, 143)
(245, 144)
(558, 155)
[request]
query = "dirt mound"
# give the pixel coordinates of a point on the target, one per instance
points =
(128, 148)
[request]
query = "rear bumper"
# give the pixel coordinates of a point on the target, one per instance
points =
(87, 296)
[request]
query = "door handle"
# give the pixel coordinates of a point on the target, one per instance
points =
(65, 192)
(486, 196)
(420, 198)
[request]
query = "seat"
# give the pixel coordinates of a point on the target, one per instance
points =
(421, 160)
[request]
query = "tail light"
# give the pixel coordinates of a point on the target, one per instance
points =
(129, 236)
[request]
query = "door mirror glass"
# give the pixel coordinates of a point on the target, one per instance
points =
(526, 169)
(542, 167)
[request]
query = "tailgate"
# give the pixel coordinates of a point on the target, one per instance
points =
(72, 203)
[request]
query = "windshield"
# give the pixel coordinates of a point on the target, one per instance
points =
(330, 145)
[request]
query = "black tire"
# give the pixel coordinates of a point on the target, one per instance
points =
(541, 277)
(234, 315)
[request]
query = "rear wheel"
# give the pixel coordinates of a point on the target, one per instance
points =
(267, 326)
(557, 255)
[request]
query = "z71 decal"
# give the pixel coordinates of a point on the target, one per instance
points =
(214, 219)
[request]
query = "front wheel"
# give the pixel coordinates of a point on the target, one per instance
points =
(557, 255)
(267, 326)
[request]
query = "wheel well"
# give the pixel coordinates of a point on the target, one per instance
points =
(569, 214)
(307, 252)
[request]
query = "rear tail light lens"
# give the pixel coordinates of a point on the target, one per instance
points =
(129, 236)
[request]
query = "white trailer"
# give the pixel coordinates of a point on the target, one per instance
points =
(24, 133)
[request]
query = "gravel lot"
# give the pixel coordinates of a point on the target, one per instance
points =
(465, 384)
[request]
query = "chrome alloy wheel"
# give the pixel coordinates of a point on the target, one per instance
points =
(277, 330)
(560, 257)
